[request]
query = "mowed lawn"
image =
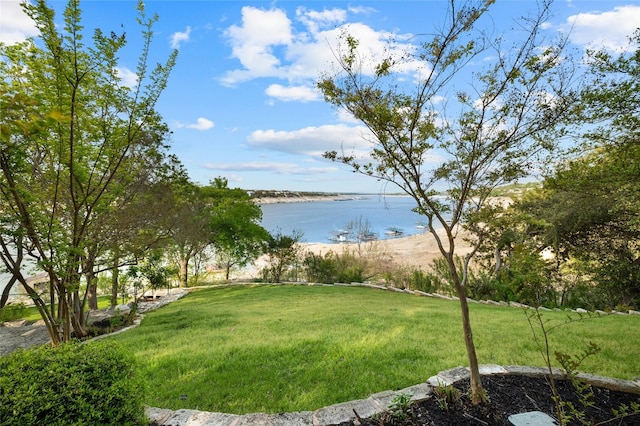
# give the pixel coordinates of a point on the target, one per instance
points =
(286, 348)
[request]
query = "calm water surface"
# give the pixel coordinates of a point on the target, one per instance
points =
(318, 220)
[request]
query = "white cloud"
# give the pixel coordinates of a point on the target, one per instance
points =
(312, 141)
(200, 124)
(314, 20)
(15, 25)
(609, 30)
(292, 93)
(128, 77)
(179, 37)
(267, 44)
(254, 41)
(271, 167)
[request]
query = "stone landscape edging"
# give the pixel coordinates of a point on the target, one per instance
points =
(374, 404)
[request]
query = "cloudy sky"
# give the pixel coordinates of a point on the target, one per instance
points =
(242, 102)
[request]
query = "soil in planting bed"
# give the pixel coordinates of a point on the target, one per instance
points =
(509, 394)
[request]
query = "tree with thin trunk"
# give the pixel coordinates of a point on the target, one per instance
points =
(65, 147)
(452, 132)
(237, 236)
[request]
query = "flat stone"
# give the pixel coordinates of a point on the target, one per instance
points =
(581, 311)
(530, 371)
(489, 369)
(284, 419)
(611, 383)
(381, 400)
(158, 415)
(632, 312)
(532, 418)
(449, 377)
(338, 413)
(420, 392)
(122, 309)
(17, 323)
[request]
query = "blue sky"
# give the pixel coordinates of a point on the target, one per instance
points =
(242, 102)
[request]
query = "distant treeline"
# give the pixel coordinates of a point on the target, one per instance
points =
(263, 193)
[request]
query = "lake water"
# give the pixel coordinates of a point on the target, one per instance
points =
(319, 220)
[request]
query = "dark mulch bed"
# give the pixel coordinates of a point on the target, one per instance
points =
(509, 394)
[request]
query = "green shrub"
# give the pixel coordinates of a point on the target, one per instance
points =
(13, 312)
(333, 268)
(321, 269)
(71, 384)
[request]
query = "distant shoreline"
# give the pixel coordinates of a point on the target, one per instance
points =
(301, 199)
(281, 197)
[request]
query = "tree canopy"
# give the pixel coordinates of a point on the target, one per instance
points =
(485, 135)
(73, 142)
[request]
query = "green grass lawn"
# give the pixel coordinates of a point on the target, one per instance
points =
(293, 348)
(30, 313)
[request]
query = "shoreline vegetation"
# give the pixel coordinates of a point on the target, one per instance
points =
(275, 197)
(416, 251)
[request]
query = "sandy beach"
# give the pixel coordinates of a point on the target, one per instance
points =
(415, 251)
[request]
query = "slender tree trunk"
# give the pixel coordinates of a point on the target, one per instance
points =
(184, 265)
(92, 291)
(477, 392)
(78, 319)
(115, 273)
(7, 290)
(49, 321)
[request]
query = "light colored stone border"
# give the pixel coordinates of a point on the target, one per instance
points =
(376, 403)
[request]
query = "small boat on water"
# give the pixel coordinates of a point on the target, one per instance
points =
(349, 236)
(341, 236)
(367, 236)
(394, 232)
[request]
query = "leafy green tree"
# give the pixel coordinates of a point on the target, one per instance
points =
(282, 252)
(487, 135)
(72, 132)
(187, 224)
(589, 206)
(237, 236)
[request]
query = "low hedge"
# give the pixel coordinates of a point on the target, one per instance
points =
(71, 384)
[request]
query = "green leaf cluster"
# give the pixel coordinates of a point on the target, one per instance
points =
(71, 384)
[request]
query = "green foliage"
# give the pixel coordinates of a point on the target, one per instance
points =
(150, 272)
(237, 236)
(71, 384)
(13, 312)
(398, 410)
(335, 268)
(78, 150)
(283, 252)
(447, 396)
(566, 410)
